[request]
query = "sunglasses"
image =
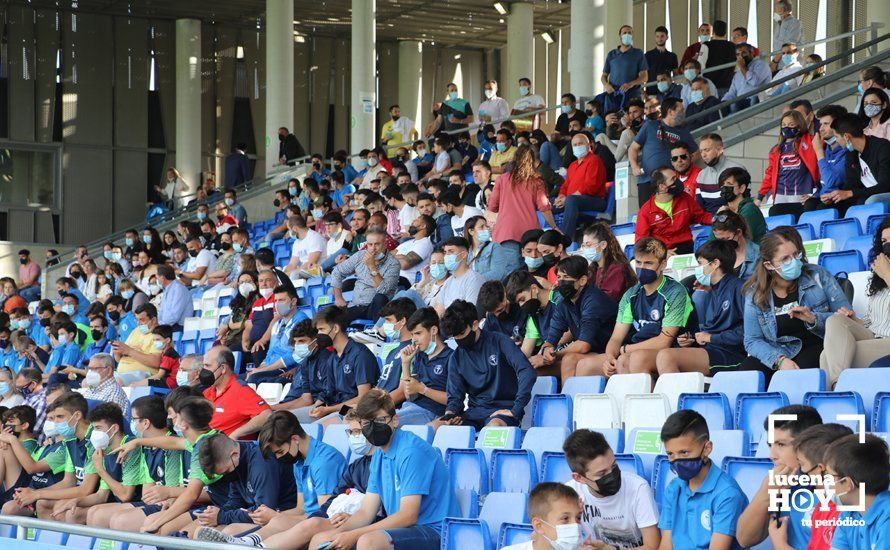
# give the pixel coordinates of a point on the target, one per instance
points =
(680, 157)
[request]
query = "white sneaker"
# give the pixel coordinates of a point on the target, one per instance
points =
(368, 336)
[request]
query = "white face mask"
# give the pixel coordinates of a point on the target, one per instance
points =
(489, 93)
(92, 379)
(266, 292)
(99, 439)
(568, 536)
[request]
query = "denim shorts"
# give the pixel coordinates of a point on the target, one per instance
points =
(419, 537)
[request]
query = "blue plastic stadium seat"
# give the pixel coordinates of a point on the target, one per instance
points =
(698, 230)
(614, 437)
(610, 205)
(554, 467)
(661, 478)
(748, 472)
(727, 443)
(773, 222)
(238, 357)
(335, 436)
(830, 404)
(862, 212)
(795, 383)
(424, 432)
(583, 384)
(500, 508)
(552, 411)
(840, 230)
(460, 534)
(513, 471)
(866, 382)
(468, 471)
(497, 437)
(543, 385)
(457, 437)
(514, 533)
(718, 404)
(807, 233)
(816, 217)
(881, 413)
(701, 239)
(624, 229)
(189, 342)
(861, 243)
(874, 222)
(752, 409)
(848, 261)
(629, 251)
(540, 440)
(629, 462)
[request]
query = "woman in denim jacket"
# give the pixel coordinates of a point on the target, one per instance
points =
(787, 302)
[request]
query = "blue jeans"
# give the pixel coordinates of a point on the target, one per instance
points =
(30, 294)
(743, 104)
(330, 262)
(414, 538)
(506, 258)
(411, 414)
(574, 205)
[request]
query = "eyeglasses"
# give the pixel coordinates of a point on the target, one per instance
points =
(385, 419)
(353, 432)
(680, 157)
(720, 218)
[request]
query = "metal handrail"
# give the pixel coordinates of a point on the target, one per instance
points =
(784, 97)
(871, 28)
(24, 523)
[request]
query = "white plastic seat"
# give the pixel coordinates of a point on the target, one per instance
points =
(816, 247)
(621, 385)
(191, 324)
(270, 391)
(672, 385)
(647, 410)
(860, 280)
(595, 411)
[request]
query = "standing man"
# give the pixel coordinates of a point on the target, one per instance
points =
(237, 167)
(787, 29)
(398, 129)
(691, 53)
(527, 103)
(494, 109)
(625, 69)
(660, 59)
(29, 277)
(718, 51)
(176, 300)
(289, 148)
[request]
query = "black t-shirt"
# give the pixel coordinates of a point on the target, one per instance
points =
(788, 325)
(562, 123)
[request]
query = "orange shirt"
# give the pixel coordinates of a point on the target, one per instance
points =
(234, 406)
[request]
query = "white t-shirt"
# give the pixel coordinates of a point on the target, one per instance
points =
(407, 215)
(868, 179)
(527, 545)
(373, 173)
(531, 101)
(203, 259)
(423, 248)
(443, 161)
(457, 224)
(312, 242)
(497, 108)
(617, 519)
(466, 287)
(335, 244)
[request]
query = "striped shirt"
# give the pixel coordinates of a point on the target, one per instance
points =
(878, 318)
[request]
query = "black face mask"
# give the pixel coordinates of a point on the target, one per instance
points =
(567, 289)
(746, 60)
(76, 275)
(676, 188)
(636, 124)
(23, 261)
(96, 334)
(412, 230)
(170, 425)
(549, 259)
(193, 253)
(886, 249)
(225, 246)
(531, 307)
(114, 315)
(589, 112)
(45, 322)
(377, 434)
(467, 341)
(276, 203)
(506, 314)
(288, 458)
(653, 116)
(206, 377)
(208, 237)
(4, 344)
(610, 483)
(280, 137)
(727, 193)
(324, 341)
(395, 118)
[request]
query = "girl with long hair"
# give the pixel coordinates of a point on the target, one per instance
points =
(609, 271)
(792, 171)
(787, 302)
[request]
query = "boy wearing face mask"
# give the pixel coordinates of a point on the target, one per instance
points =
(18, 425)
(162, 342)
(424, 370)
(309, 384)
(164, 469)
(395, 316)
(407, 478)
(118, 482)
(701, 506)
(669, 213)
(860, 468)
(618, 507)
(585, 312)
(65, 355)
(555, 514)
(57, 469)
(536, 302)
(502, 315)
(650, 316)
(486, 366)
(279, 363)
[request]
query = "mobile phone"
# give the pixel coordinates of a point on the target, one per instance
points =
(344, 410)
(447, 417)
(324, 545)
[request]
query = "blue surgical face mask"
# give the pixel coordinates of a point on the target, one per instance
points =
(128, 241)
(704, 38)
(696, 95)
(850, 147)
(182, 378)
(146, 239)
(428, 351)
(301, 352)
(292, 191)
(4, 388)
(390, 330)
(438, 271)
(690, 74)
(663, 86)
(108, 255)
(831, 140)
(68, 309)
(134, 430)
(115, 257)
(627, 39)
(787, 59)
(533, 263)
(580, 151)
(566, 109)
(451, 262)
(452, 95)
(790, 271)
(178, 429)
(127, 294)
(202, 215)
(62, 339)
(230, 202)
(237, 247)
(142, 328)
(523, 90)
(703, 278)
(484, 235)
(501, 146)
(359, 444)
(64, 429)
(591, 254)
(859, 88)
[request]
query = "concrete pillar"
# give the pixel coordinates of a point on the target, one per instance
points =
(279, 74)
(363, 86)
(878, 11)
(587, 51)
(520, 50)
(410, 80)
(620, 12)
(188, 103)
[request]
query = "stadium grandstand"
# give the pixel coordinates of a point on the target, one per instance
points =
(458, 275)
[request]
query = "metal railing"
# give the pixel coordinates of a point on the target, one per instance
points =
(22, 524)
(873, 29)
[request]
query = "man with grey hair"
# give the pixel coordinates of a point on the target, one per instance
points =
(376, 278)
(101, 384)
(189, 369)
(786, 29)
(237, 410)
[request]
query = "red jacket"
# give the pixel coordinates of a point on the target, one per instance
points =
(652, 221)
(587, 177)
(804, 149)
(690, 184)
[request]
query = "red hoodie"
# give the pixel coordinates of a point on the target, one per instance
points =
(804, 149)
(652, 221)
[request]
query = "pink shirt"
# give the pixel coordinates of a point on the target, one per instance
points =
(517, 207)
(882, 130)
(28, 272)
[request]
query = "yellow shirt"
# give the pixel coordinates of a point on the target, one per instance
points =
(395, 133)
(499, 159)
(139, 342)
(668, 207)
